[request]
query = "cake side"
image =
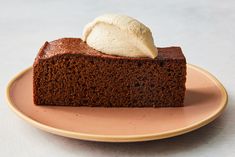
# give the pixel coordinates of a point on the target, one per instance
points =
(82, 76)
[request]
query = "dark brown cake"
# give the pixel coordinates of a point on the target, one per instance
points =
(68, 72)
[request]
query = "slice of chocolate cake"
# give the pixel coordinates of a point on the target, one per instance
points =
(70, 73)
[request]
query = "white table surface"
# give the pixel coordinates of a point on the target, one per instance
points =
(203, 28)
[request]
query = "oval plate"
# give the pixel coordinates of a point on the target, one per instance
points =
(205, 100)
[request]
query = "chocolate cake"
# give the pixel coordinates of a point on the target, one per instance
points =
(67, 72)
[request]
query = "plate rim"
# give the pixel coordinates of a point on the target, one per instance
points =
(122, 138)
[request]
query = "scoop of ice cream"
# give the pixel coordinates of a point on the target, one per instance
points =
(120, 35)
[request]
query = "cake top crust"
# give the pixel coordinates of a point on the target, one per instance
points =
(77, 46)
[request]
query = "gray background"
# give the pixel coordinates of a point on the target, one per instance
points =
(203, 28)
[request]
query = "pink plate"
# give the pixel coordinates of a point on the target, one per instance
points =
(205, 100)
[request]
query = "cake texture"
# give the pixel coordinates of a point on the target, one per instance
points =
(67, 72)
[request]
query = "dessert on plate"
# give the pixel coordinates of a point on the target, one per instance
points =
(115, 64)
